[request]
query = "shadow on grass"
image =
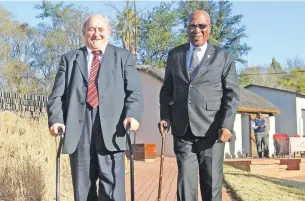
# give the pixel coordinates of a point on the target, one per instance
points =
(230, 191)
(282, 182)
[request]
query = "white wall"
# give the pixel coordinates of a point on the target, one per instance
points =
(238, 131)
(148, 132)
(245, 133)
(271, 132)
(286, 122)
(300, 104)
(238, 141)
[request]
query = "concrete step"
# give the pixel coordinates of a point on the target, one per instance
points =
(281, 173)
(267, 167)
(264, 161)
(267, 171)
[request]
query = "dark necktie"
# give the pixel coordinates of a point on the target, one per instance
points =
(195, 60)
(92, 95)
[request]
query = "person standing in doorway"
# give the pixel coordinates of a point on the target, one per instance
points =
(259, 126)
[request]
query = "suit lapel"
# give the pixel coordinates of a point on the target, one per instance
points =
(183, 59)
(81, 60)
(204, 65)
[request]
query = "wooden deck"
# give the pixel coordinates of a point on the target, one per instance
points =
(147, 181)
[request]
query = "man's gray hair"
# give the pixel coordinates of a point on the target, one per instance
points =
(87, 21)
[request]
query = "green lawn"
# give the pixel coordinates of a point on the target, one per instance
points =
(251, 187)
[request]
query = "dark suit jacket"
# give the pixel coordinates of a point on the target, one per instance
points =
(119, 89)
(206, 103)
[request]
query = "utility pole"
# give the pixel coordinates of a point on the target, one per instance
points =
(128, 30)
(135, 29)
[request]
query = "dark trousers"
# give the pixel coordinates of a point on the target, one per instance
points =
(262, 138)
(203, 155)
(91, 162)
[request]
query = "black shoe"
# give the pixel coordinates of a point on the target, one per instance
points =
(259, 154)
(266, 154)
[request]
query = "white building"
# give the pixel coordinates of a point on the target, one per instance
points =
(245, 140)
(291, 104)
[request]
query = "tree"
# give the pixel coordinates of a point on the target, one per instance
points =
(296, 62)
(158, 34)
(295, 80)
(260, 75)
(61, 36)
(244, 79)
(16, 41)
(225, 30)
(126, 27)
(275, 65)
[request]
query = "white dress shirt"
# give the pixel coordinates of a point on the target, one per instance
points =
(200, 54)
(90, 58)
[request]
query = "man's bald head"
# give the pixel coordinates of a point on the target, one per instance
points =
(95, 17)
(96, 32)
(199, 27)
(199, 13)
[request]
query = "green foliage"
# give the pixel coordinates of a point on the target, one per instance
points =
(275, 64)
(16, 42)
(61, 36)
(244, 79)
(291, 78)
(29, 56)
(126, 28)
(158, 35)
(295, 80)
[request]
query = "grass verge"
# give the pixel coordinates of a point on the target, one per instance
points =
(251, 187)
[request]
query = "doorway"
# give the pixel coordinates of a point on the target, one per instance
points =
(253, 149)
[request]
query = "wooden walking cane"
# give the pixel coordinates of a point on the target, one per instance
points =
(165, 129)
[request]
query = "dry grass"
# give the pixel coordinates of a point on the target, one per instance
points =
(251, 187)
(27, 161)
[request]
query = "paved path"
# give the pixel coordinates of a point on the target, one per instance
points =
(147, 181)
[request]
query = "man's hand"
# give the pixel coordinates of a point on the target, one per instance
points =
(54, 129)
(132, 122)
(164, 126)
(226, 135)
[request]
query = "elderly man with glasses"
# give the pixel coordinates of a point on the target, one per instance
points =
(199, 100)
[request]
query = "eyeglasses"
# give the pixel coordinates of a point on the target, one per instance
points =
(200, 26)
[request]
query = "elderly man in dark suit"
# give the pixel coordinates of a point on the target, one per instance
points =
(97, 92)
(199, 99)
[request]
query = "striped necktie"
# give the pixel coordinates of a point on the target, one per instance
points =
(92, 95)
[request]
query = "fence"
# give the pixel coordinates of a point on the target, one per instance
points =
(26, 105)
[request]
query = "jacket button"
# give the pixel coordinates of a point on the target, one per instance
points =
(81, 121)
(83, 103)
(190, 102)
(191, 86)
